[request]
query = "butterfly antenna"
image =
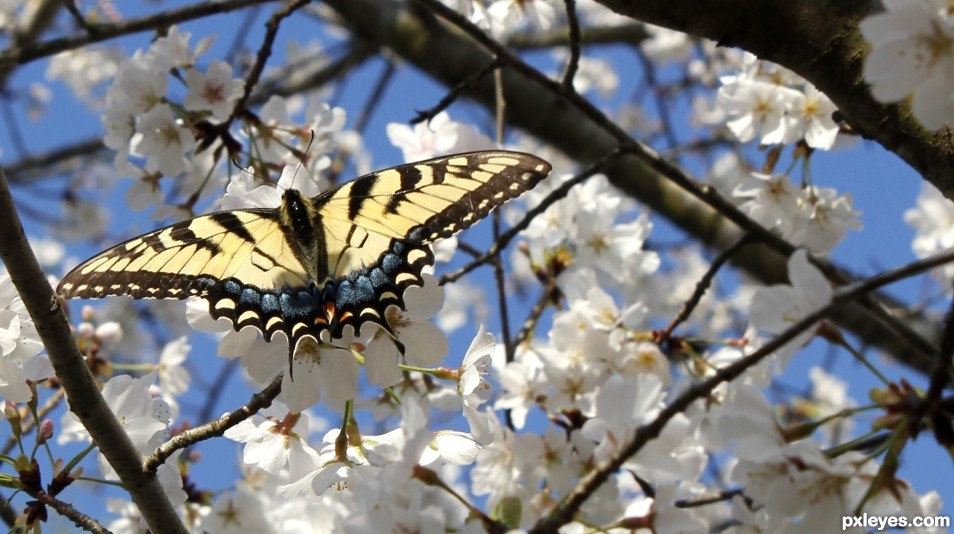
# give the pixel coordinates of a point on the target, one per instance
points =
(302, 156)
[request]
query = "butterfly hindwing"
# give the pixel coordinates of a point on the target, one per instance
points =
(313, 265)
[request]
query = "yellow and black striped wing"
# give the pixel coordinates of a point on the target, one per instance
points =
(241, 261)
(376, 230)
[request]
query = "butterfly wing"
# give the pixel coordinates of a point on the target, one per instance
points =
(240, 261)
(377, 228)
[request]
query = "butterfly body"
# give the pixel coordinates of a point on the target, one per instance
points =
(316, 265)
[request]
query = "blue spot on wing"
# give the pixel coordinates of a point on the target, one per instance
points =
(309, 310)
(251, 299)
(270, 304)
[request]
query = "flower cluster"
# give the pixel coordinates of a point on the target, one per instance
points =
(776, 106)
(814, 217)
(19, 346)
(145, 418)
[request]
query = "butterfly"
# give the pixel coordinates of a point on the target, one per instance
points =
(313, 266)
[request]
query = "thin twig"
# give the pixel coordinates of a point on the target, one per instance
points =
(631, 33)
(931, 404)
(709, 498)
(35, 167)
(70, 512)
(573, 64)
(217, 389)
(259, 401)
(546, 298)
(375, 98)
(455, 93)
(500, 280)
(13, 128)
(9, 515)
(703, 285)
(649, 73)
(26, 30)
(103, 32)
(264, 51)
(78, 17)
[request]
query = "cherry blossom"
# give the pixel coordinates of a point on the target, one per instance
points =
(213, 91)
(19, 346)
(436, 137)
(912, 54)
(776, 308)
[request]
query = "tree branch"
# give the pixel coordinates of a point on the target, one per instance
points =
(820, 41)
(82, 391)
(259, 401)
(20, 55)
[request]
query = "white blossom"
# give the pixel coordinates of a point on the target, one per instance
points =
(213, 91)
(912, 53)
(19, 345)
(774, 309)
(436, 137)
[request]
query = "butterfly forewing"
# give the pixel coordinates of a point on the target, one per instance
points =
(437, 198)
(369, 242)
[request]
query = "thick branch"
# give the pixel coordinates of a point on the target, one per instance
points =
(82, 392)
(820, 41)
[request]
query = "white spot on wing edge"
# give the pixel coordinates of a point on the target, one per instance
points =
(225, 304)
